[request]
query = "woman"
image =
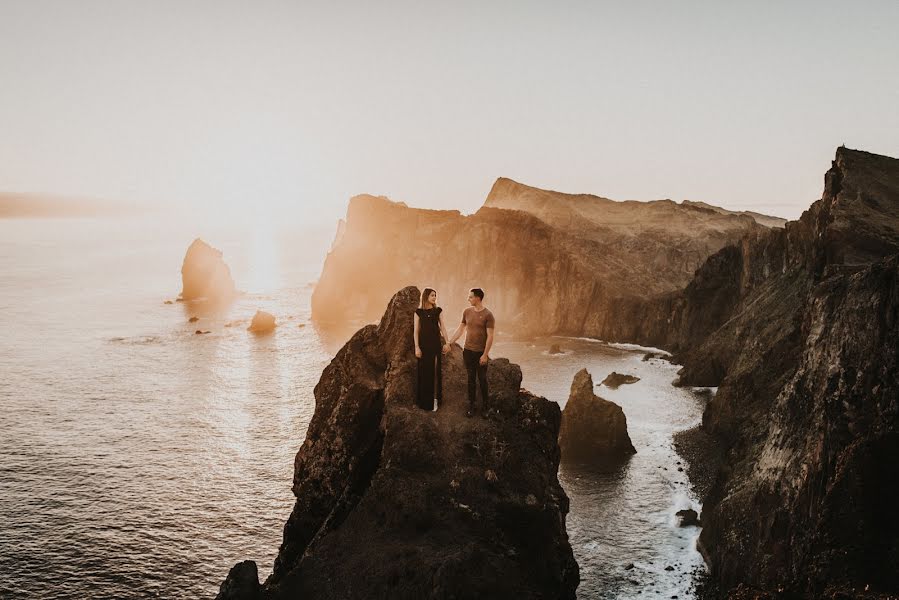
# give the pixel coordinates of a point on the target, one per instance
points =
(428, 346)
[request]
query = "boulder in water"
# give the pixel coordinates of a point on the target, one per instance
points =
(613, 379)
(688, 517)
(593, 428)
(242, 583)
(262, 322)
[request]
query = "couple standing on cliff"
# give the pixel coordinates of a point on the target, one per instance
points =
(478, 324)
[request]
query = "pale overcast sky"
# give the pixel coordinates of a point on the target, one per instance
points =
(297, 106)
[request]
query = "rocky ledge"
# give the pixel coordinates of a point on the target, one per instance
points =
(396, 502)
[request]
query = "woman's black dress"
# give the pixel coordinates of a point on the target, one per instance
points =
(430, 380)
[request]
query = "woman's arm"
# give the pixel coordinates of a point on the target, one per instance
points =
(415, 336)
(443, 333)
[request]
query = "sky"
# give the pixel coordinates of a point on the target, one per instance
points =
(291, 108)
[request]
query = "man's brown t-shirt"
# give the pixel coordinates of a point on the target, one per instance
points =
(476, 323)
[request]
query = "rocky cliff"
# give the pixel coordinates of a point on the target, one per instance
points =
(550, 263)
(798, 327)
(396, 502)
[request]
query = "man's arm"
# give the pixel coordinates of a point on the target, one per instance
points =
(486, 356)
(457, 333)
(491, 327)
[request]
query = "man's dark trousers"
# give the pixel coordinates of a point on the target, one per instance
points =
(475, 370)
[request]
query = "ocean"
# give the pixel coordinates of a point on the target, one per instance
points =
(139, 459)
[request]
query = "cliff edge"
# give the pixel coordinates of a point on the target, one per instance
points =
(396, 502)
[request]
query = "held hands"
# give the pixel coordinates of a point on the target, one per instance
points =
(446, 348)
(417, 352)
(484, 359)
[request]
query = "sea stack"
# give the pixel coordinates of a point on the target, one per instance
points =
(397, 502)
(204, 274)
(593, 428)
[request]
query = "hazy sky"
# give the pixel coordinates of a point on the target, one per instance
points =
(295, 107)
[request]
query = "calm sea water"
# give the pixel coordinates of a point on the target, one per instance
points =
(140, 460)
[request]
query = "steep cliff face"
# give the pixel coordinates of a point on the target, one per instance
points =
(798, 327)
(811, 502)
(550, 263)
(396, 502)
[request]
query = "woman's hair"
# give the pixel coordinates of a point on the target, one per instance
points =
(424, 296)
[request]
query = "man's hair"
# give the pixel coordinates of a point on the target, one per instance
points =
(477, 292)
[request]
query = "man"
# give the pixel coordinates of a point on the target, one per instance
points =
(479, 324)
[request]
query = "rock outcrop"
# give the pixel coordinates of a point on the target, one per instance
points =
(593, 429)
(550, 263)
(397, 502)
(798, 328)
(615, 379)
(204, 274)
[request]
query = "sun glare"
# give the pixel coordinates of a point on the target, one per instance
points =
(264, 268)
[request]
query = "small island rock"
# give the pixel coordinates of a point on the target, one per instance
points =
(613, 379)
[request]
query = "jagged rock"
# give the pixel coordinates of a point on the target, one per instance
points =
(242, 583)
(397, 502)
(555, 349)
(613, 379)
(262, 322)
(205, 275)
(649, 356)
(570, 264)
(593, 429)
(688, 517)
(193, 319)
(797, 327)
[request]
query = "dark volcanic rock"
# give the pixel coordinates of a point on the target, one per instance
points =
(242, 583)
(262, 322)
(688, 517)
(205, 275)
(613, 379)
(593, 429)
(797, 327)
(396, 502)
